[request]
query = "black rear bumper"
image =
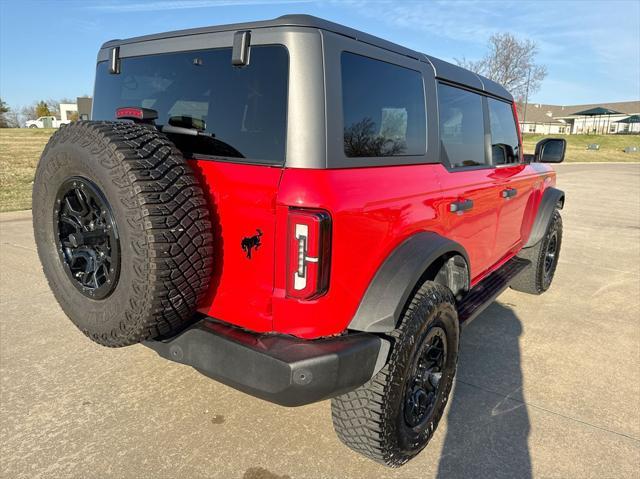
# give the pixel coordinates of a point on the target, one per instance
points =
(281, 369)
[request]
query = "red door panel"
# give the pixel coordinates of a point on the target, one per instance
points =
(242, 202)
(518, 184)
(474, 229)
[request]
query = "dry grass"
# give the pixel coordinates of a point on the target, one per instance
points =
(611, 147)
(20, 149)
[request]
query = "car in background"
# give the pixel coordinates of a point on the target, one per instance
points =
(46, 122)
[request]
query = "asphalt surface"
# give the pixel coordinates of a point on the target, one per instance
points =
(547, 386)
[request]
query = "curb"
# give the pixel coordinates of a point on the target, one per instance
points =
(634, 162)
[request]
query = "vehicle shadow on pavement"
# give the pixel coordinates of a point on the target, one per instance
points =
(488, 423)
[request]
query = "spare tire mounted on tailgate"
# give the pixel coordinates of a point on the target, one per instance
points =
(122, 230)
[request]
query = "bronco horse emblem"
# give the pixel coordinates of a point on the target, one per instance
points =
(251, 242)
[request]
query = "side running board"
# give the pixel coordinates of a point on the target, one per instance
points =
(485, 292)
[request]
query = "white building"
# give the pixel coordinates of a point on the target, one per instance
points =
(556, 119)
(67, 110)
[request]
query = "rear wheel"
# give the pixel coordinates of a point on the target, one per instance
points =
(122, 230)
(391, 418)
(537, 278)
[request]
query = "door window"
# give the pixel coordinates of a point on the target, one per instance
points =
(505, 146)
(461, 127)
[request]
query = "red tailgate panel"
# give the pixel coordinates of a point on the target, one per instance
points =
(242, 203)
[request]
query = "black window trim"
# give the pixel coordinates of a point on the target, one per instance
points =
(391, 159)
(487, 130)
(515, 121)
(489, 165)
(232, 159)
(333, 46)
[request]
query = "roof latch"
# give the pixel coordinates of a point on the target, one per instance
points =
(114, 61)
(240, 53)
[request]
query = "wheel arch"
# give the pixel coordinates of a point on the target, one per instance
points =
(552, 198)
(421, 257)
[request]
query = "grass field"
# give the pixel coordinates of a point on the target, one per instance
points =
(20, 150)
(611, 147)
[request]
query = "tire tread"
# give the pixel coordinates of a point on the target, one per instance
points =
(362, 418)
(171, 221)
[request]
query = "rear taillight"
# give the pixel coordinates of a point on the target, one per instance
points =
(308, 253)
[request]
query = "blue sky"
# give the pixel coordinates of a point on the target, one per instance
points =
(48, 48)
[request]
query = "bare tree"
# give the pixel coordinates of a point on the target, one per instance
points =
(4, 110)
(13, 118)
(360, 139)
(510, 62)
(29, 112)
(54, 105)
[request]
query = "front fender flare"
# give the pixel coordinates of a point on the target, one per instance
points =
(552, 198)
(389, 291)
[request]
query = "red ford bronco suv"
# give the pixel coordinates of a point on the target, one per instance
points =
(299, 210)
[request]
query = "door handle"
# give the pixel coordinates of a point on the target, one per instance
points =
(509, 193)
(460, 206)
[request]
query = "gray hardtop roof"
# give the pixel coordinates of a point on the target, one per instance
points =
(443, 70)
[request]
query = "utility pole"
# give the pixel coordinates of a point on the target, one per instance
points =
(526, 98)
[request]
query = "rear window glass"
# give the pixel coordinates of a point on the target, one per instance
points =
(238, 112)
(504, 136)
(383, 108)
(461, 127)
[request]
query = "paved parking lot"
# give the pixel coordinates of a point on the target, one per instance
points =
(547, 386)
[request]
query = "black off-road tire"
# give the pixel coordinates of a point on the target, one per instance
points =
(162, 220)
(537, 278)
(371, 419)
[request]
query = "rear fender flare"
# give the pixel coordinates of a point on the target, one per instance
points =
(389, 291)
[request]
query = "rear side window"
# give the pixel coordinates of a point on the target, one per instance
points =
(383, 108)
(504, 136)
(461, 127)
(238, 112)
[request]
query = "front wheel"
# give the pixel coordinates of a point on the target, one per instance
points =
(537, 278)
(391, 418)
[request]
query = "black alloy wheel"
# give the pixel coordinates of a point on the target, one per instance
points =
(423, 385)
(87, 238)
(544, 257)
(392, 417)
(550, 257)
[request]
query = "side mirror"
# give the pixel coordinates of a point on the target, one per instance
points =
(502, 154)
(550, 150)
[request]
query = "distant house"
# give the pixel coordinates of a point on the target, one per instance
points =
(557, 119)
(539, 119)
